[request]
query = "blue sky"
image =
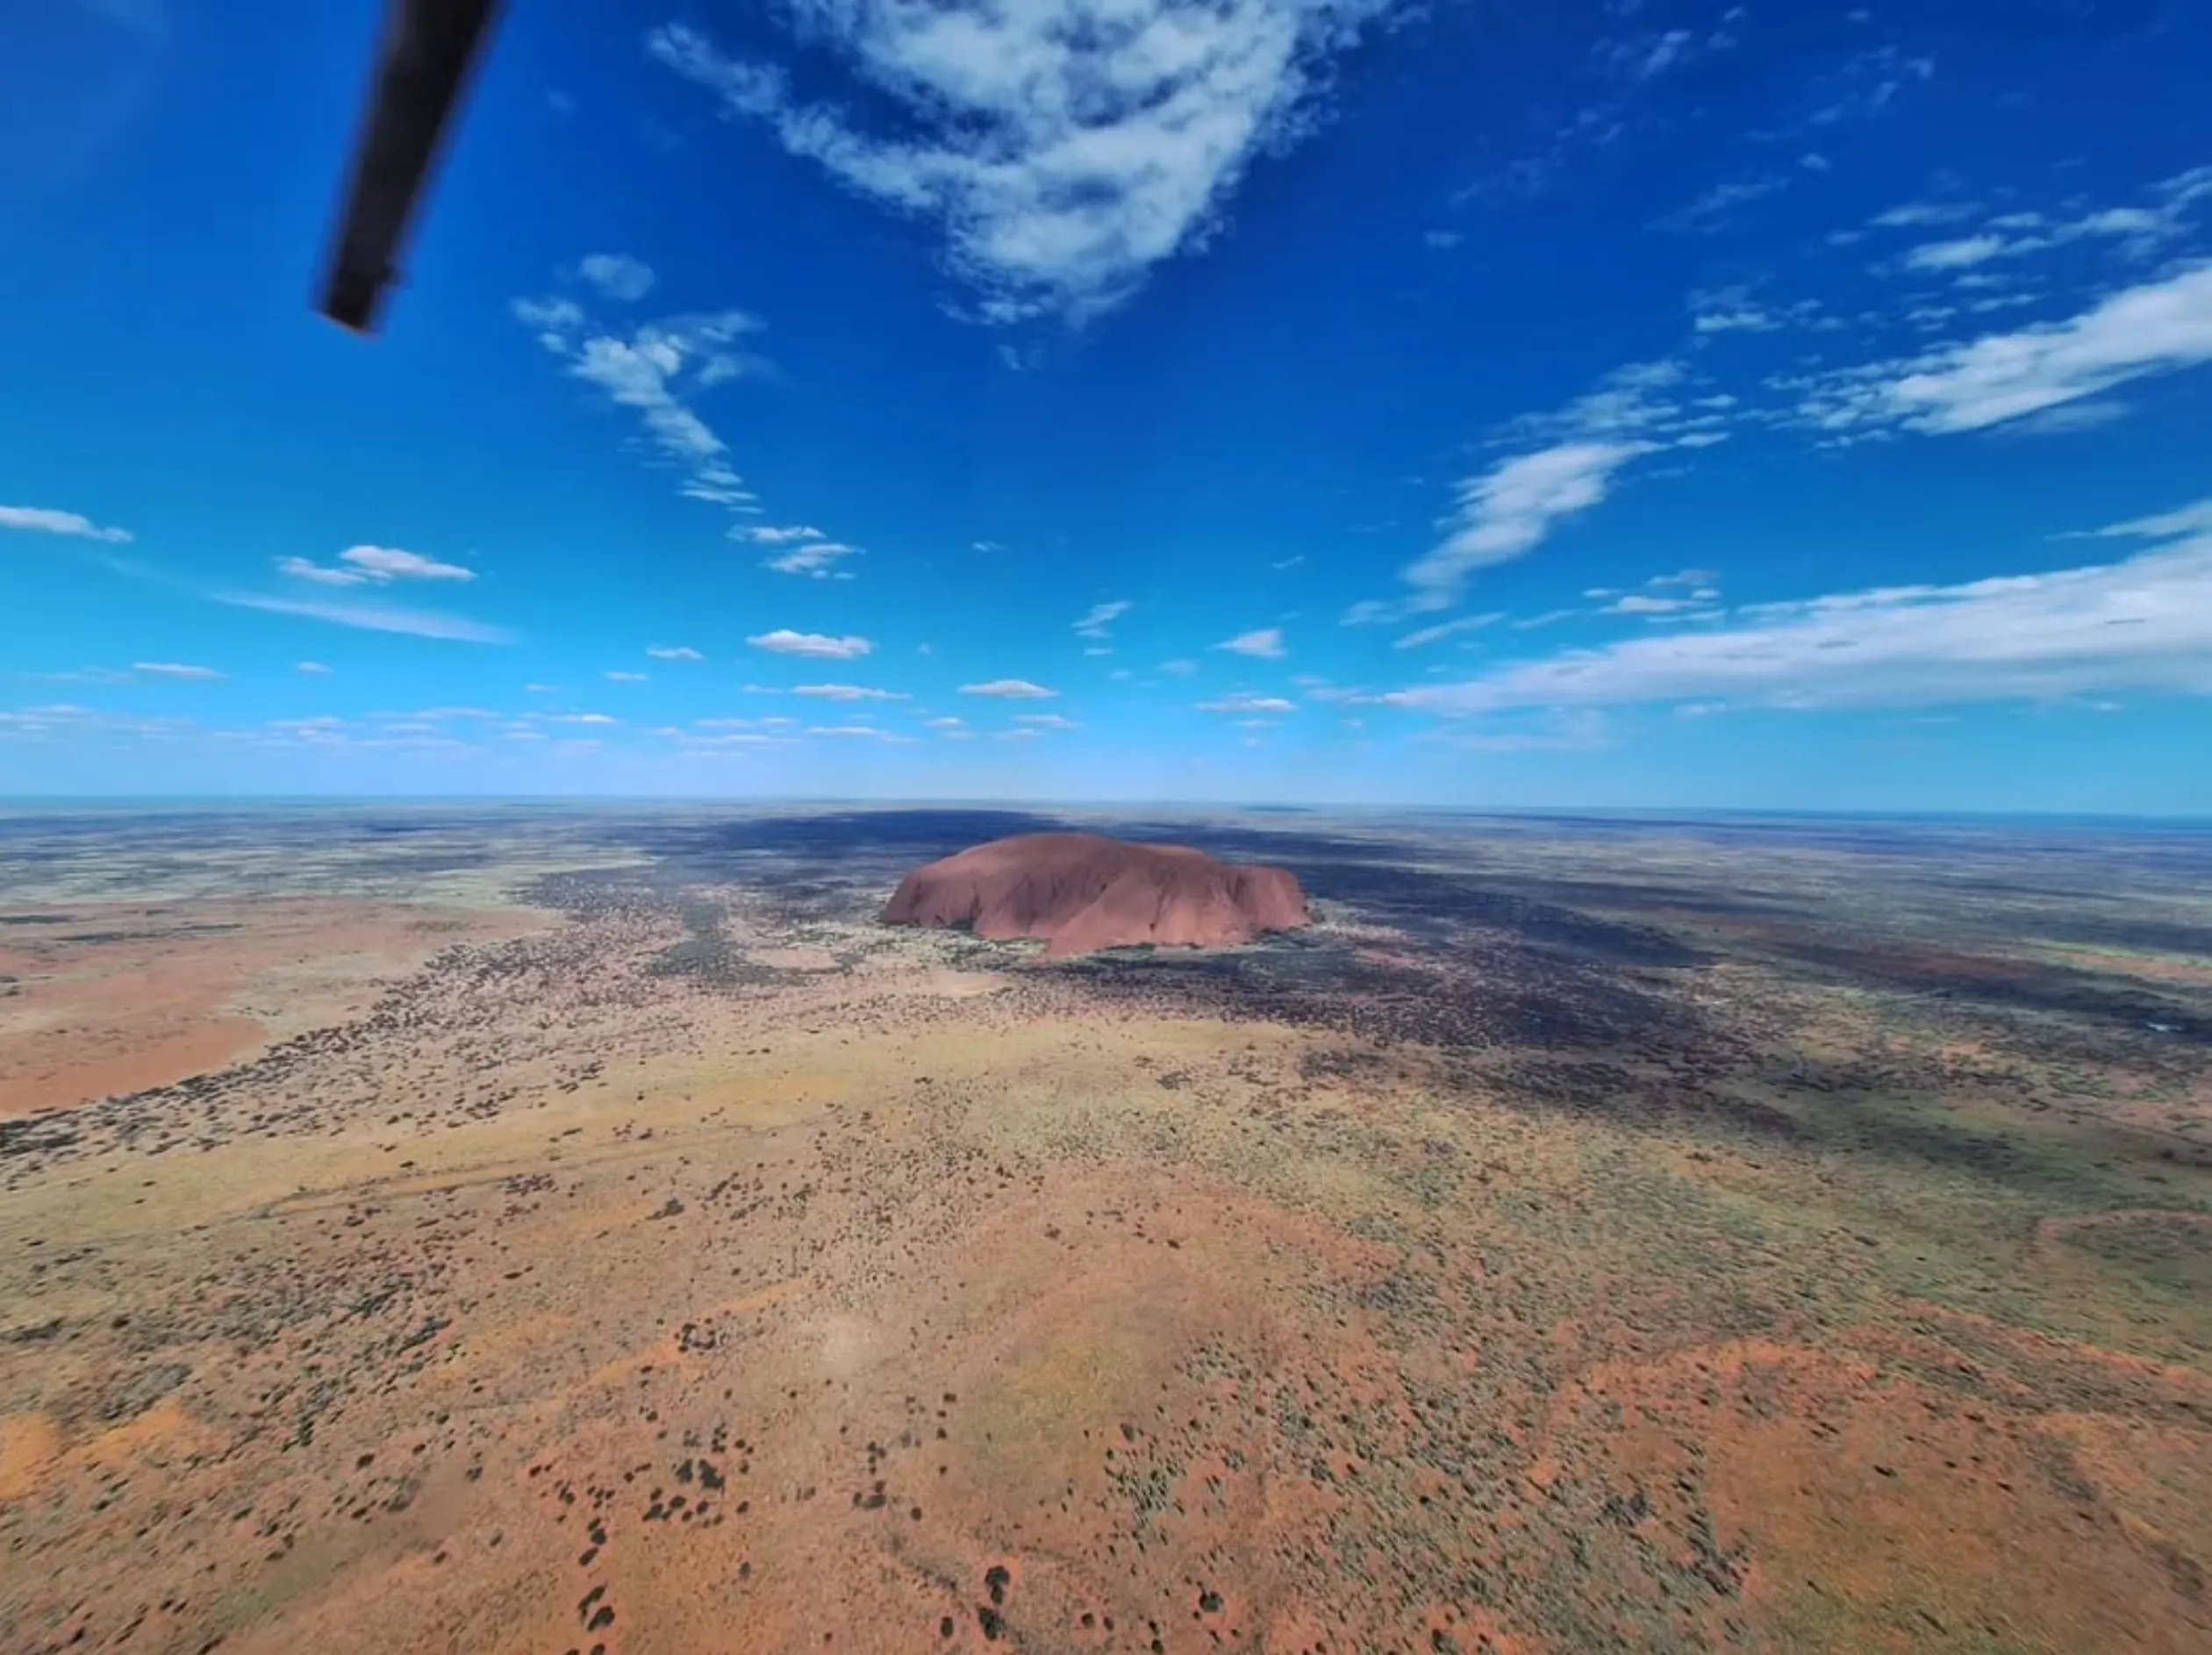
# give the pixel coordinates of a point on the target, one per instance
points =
(1634, 405)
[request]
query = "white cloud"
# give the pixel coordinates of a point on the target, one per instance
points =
(784, 641)
(2071, 416)
(657, 370)
(1739, 318)
(819, 559)
(1507, 509)
(1065, 147)
(1957, 253)
(618, 276)
(553, 315)
(2155, 327)
(1867, 83)
(177, 670)
(2189, 520)
(771, 535)
(2136, 231)
(372, 617)
(743, 738)
(1101, 616)
(1244, 703)
(1017, 735)
(1506, 512)
(2142, 623)
(1717, 207)
(673, 652)
(584, 717)
(311, 667)
(373, 566)
(864, 731)
(41, 521)
(322, 573)
(947, 723)
(848, 693)
(1010, 689)
(624, 678)
(1646, 56)
(1046, 720)
(1916, 215)
(1264, 644)
(1447, 629)
(388, 563)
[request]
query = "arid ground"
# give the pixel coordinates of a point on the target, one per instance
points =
(532, 1230)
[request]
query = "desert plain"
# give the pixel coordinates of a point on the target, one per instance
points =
(524, 1227)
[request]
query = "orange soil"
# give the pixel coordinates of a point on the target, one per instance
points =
(91, 1019)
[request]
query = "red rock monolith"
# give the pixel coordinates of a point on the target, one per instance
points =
(1080, 892)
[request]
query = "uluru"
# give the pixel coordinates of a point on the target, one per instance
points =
(1080, 892)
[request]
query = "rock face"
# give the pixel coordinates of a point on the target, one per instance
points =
(1083, 892)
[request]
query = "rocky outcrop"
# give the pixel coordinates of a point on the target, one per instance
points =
(1083, 892)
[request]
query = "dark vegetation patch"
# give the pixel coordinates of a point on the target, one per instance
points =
(715, 849)
(1999, 983)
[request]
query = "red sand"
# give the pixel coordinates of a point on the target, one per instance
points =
(1080, 892)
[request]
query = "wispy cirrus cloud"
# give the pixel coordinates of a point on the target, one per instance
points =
(1448, 628)
(849, 692)
(2194, 519)
(1620, 76)
(372, 566)
(1507, 509)
(1264, 644)
(1919, 215)
(44, 521)
(177, 671)
(369, 616)
(1010, 689)
(1094, 622)
(673, 652)
(2141, 624)
(817, 646)
(1243, 703)
(2154, 327)
(617, 276)
(863, 732)
(1718, 207)
(817, 558)
(2165, 213)
(1064, 147)
(658, 371)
